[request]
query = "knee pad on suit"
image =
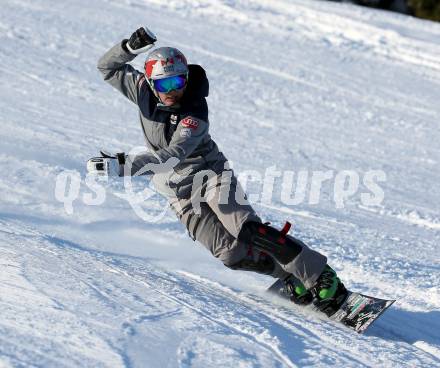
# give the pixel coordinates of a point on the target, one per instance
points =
(264, 238)
(262, 263)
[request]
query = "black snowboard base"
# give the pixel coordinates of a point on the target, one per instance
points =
(357, 312)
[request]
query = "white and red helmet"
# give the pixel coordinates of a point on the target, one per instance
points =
(165, 62)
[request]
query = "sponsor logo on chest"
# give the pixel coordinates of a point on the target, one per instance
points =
(190, 123)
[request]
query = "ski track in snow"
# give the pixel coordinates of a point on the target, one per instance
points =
(357, 88)
(102, 304)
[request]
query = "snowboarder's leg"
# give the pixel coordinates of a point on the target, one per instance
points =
(234, 233)
(306, 276)
(227, 200)
(318, 282)
(292, 254)
(206, 228)
(260, 262)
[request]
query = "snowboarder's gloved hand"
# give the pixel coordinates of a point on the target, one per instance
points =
(141, 41)
(106, 165)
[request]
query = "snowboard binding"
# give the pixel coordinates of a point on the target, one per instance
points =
(296, 291)
(274, 246)
(329, 293)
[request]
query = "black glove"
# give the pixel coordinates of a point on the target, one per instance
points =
(141, 41)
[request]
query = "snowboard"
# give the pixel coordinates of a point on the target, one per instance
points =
(357, 312)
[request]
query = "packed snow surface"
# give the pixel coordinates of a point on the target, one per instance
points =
(300, 85)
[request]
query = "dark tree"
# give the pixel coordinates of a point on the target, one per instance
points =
(429, 9)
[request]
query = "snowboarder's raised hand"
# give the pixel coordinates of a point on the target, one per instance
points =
(141, 41)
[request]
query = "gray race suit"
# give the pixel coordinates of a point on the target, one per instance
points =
(180, 135)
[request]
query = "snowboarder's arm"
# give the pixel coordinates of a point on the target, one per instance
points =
(120, 75)
(113, 64)
(188, 135)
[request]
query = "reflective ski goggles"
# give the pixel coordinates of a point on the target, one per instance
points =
(169, 84)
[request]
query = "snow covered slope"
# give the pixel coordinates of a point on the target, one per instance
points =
(303, 85)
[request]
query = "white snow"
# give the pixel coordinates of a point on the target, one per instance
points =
(303, 85)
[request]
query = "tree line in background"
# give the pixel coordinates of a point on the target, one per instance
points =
(428, 9)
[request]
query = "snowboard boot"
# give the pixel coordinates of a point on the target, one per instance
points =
(329, 292)
(297, 291)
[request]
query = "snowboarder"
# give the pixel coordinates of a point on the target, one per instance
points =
(170, 95)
